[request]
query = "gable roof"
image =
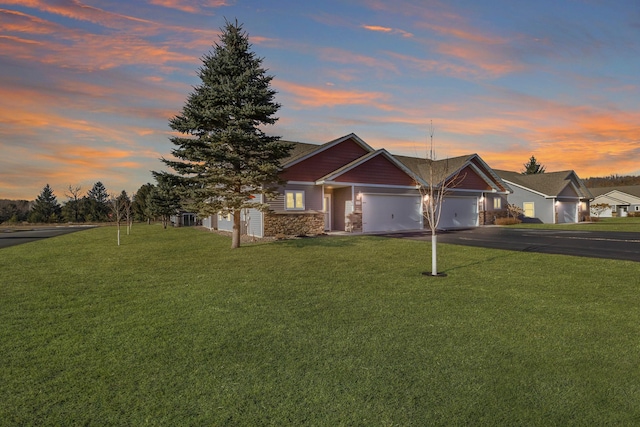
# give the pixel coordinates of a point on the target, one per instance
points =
(448, 168)
(548, 184)
(417, 168)
(633, 190)
(302, 151)
(350, 166)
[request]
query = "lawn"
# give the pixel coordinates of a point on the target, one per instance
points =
(173, 328)
(628, 224)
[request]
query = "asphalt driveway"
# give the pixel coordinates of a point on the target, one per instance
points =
(11, 237)
(595, 244)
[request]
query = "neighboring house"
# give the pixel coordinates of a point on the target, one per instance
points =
(550, 197)
(183, 219)
(621, 200)
(345, 185)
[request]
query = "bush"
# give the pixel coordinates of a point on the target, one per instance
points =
(507, 221)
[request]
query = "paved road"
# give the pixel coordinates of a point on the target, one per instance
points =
(595, 244)
(10, 237)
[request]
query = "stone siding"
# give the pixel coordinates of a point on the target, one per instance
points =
(293, 224)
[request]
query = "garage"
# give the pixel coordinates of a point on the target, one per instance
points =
(567, 212)
(383, 212)
(459, 212)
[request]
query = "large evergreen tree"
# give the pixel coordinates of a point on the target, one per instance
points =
(532, 167)
(223, 156)
(46, 207)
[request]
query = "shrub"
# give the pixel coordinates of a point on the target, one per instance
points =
(507, 221)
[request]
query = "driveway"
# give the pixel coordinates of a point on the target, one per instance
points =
(11, 237)
(595, 244)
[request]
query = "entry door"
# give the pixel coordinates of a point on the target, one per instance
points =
(529, 210)
(326, 207)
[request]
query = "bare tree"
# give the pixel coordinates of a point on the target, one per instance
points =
(514, 211)
(118, 205)
(73, 195)
(599, 208)
(440, 181)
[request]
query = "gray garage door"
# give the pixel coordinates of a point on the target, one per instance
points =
(390, 212)
(459, 212)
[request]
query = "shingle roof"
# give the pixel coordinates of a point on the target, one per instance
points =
(634, 190)
(420, 167)
(548, 183)
(300, 149)
(442, 169)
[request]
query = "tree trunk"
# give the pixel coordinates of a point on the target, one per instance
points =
(235, 236)
(434, 254)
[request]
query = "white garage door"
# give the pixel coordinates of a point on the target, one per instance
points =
(567, 212)
(390, 213)
(459, 212)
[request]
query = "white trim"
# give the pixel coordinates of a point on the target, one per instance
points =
(301, 182)
(528, 189)
(361, 184)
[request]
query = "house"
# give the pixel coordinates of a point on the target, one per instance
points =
(621, 200)
(346, 185)
(477, 196)
(550, 197)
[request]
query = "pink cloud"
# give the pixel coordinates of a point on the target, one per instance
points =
(345, 57)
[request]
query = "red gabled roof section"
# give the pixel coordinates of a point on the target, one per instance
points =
(324, 162)
(377, 170)
(468, 179)
(490, 175)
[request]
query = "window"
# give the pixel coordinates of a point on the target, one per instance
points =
(294, 200)
(497, 203)
(637, 208)
(529, 209)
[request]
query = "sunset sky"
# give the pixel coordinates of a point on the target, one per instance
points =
(87, 87)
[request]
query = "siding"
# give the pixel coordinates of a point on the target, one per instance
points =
(324, 162)
(378, 170)
(470, 180)
(488, 174)
(544, 209)
(312, 197)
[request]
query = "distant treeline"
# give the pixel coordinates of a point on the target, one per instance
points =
(612, 181)
(18, 210)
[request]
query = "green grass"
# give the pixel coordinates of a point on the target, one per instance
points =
(629, 224)
(173, 328)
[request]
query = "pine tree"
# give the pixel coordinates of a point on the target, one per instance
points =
(141, 205)
(96, 204)
(532, 167)
(163, 201)
(45, 207)
(223, 156)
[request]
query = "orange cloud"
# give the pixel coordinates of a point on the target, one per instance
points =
(189, 6)
(387, 30)
(315, 97)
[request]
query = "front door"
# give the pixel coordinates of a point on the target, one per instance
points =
(326, 207)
